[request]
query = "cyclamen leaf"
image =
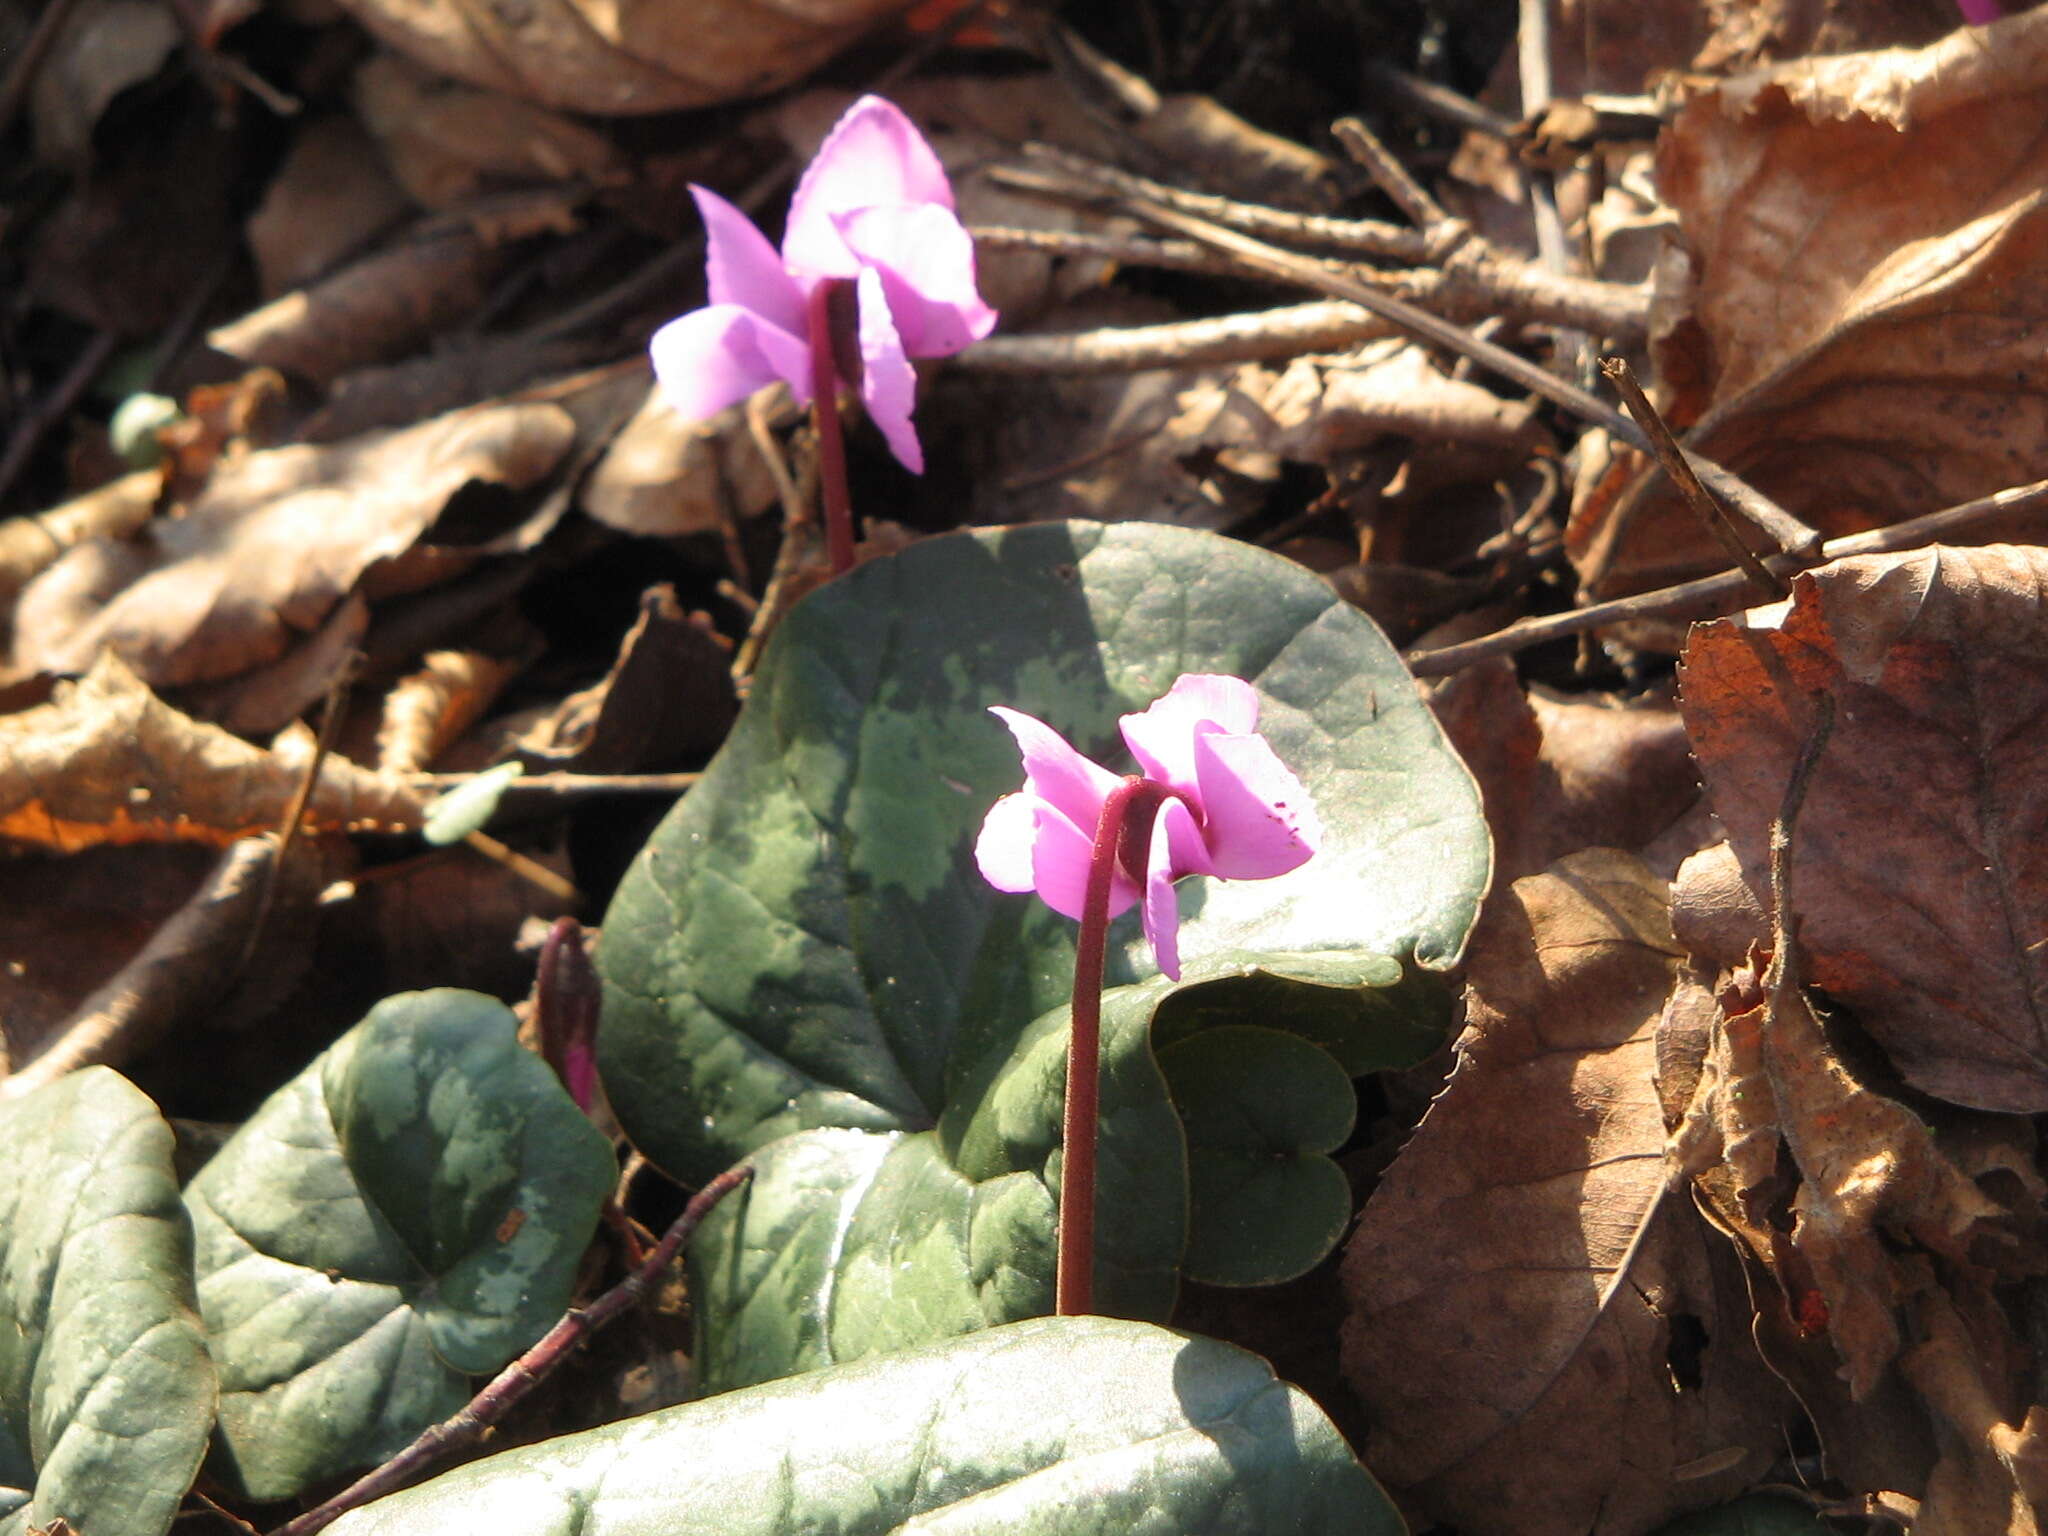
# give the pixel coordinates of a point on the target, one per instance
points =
(1054, 1427)
(106, 1392)
(404, 1215)
(806, 944)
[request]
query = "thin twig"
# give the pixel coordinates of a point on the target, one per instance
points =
(1710, 595)
(14, 89)
(295, 813)
(1781, 976)
(1368, 237)
(513, 1383)
(531, 870)
(1389, 174)
(39, 418)
(1664, 447)
(1103, 245)
(1434, 100)
(1262, 335)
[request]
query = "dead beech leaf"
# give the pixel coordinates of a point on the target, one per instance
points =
(1857, 332)
(1922, 870)
(427, 711)
(101, 49)
(624, 60)
(664, 476)
(106, 761)
(272, 545)
(1516, 1277)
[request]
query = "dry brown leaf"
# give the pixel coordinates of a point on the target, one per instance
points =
(446, 141)
(332, 194)
(1515, 1279)
(668, 699)
(30, 545)
(272, 545)
(102, 48)
(106, 761)
(664, 476)
(1560, 774)
(67, 924)
(1319, 407)
(1858, 335)
(1922, 868)
(372, 310)
(624, 60)
(1993, 1471)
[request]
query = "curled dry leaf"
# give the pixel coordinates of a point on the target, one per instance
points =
(1993, 1473)
(667, 699)
(624, 60)
(1858, 329)
(1922, 869)
(428, 710)
(106, 761)
(1517, 1276)
(272, 545)
(372, 310)
(664, 476)
(1318, 407)
(30, 545)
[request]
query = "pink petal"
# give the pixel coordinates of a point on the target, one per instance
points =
(743, 268)
(926, 259)
(1028, 845)
(1257, 818)
(719, 355)
(1056, 773)
(888, 384)
(1003, 850)
(1172, 824)
(1162, 737)
(873, 157)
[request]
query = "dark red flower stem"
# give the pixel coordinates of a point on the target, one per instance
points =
(1122, 836)
(523, 1374)
(831, 439)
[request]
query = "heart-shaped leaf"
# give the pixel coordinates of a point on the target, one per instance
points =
(806, 942)
(405, 1214)
(106, 1392)
(1052, 1427)
(1261, 1109)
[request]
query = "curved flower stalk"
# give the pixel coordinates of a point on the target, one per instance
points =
(875, 269)
(1214, 799)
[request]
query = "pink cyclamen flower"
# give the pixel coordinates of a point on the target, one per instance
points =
(1231, 808)
(874, 210)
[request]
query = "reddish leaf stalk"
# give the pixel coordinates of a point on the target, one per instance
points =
(523, 1374)
(1123, 835)
(831, 438)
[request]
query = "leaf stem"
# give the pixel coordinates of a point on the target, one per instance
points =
(1122, 831)
(523, 1374)
(831, 439)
